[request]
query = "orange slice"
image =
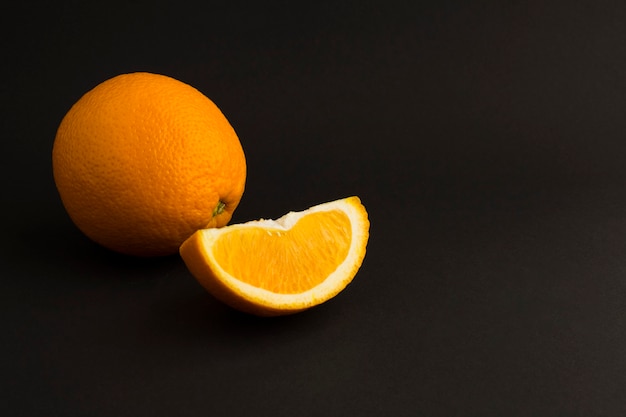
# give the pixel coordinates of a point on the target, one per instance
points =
(283, 266)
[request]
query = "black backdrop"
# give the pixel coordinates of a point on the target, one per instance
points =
(485, 138)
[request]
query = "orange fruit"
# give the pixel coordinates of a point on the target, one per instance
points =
(142, 161)
(277, 267)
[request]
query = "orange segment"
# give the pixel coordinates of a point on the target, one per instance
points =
(311, 249)
(274, 267)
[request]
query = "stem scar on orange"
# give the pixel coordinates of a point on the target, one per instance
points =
(142, 161)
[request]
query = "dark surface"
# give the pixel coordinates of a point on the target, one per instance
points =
(486, 140)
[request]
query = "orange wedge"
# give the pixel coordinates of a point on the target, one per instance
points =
(283, 266)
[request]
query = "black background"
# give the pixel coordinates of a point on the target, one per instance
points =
(485, 138)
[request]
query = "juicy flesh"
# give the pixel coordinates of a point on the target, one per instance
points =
(287, 261)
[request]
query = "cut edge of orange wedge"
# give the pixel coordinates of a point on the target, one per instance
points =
(198, 256)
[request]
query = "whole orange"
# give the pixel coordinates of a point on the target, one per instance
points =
(142, 161)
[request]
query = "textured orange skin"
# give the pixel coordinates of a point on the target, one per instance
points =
(142, 161)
